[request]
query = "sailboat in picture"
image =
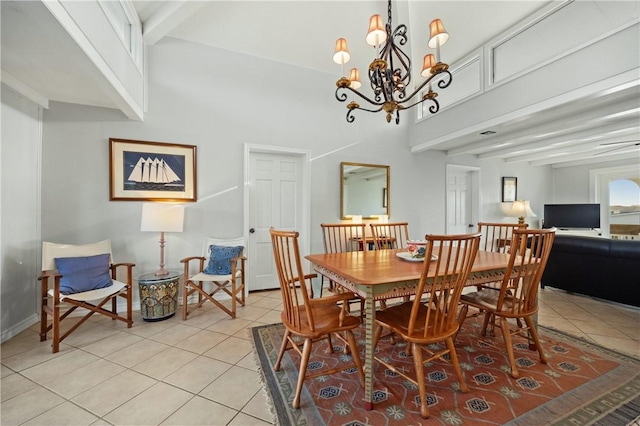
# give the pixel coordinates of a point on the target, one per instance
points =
(153, 174)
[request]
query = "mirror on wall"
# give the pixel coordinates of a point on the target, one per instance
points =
(364, 190)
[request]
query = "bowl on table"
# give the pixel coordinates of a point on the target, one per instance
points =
(417, 248)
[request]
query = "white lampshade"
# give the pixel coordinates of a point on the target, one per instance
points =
(521, 209)
(354, 77)
(383, 218)
(437, 34)
(341, 55)
(355, 218)
(428, 63)
(162, 217)
(377, 33)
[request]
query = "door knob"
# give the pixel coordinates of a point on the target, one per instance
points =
(252, 230)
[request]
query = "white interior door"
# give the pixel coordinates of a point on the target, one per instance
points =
(276, 197)
(462, 199)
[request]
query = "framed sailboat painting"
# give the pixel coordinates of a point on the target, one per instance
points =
(151, 171)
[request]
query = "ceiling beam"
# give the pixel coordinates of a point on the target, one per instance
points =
(578, 149)
(573, 121)
(572, 162)
(561, 142)
(167, 17)
(24, 89)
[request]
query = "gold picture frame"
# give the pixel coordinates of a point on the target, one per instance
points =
(151, 171)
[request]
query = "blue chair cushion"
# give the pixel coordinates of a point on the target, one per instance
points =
(83, 273)
(219, 259)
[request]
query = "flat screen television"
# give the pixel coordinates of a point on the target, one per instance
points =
(572, 216)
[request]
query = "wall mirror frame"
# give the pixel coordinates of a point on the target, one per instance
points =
(364, 190)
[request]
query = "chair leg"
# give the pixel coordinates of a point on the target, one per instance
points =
(204, 296)
(536, 338)
(462, 315)
(487, 317)
(242, 289)
(233, 297)
(355, 355)
(185, 299)
(376, 335)
(330, 343)
(43, 319)
(129, 307)
(304, 362)
(409, 350)
(422, 389)
(55, 344)
(283, 349)
(456, 364)
(506, 334)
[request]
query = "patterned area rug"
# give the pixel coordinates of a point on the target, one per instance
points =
(582, 384)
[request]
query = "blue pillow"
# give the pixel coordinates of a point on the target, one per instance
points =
(83, 273)
(219, 259)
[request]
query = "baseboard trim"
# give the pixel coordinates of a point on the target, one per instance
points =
(19, 328)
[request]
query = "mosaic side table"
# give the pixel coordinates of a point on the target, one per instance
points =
(158, 295)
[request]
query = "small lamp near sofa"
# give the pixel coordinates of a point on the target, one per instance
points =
(161, 217)
(521, 209)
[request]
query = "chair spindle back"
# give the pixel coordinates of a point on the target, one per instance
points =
(390, 235)
(519, 291)
(497, 236)
(295, 295)
(442, 281)
(343, 237)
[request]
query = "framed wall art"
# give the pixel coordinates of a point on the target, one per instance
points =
(509, 189)
(151, 171)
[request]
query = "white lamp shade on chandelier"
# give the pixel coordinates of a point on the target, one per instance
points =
(161, 217)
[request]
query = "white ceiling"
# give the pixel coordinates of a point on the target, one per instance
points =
(37, 52)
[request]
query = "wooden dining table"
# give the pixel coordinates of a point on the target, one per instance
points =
(382, 274)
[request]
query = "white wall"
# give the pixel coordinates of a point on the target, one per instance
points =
(19, 218)
(570, 75)
(119, 63)
(573, 184)
(219, 100)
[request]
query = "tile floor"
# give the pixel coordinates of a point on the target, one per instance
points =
(202, 371)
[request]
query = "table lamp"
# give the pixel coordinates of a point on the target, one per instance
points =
(160, 217)
(355, 218)
(521, 209)
(383, 218)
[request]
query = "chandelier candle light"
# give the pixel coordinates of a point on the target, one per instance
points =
(390, 72)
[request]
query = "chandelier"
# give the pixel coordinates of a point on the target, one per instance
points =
(390, 72)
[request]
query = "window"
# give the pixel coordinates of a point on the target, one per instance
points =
(614, 188)
(126, 24)
(624, 209)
